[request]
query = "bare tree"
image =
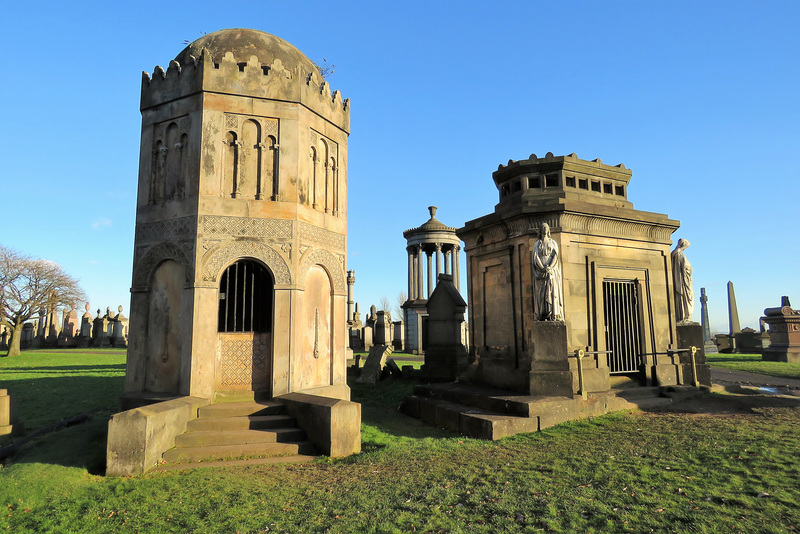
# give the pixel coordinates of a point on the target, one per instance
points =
(398, 308)
(324, 69)
(385, 306)
(30, 287)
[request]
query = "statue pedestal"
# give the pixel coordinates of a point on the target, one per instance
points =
(691, 335)
(550, 373)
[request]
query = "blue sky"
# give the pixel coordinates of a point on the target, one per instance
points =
(699, 99)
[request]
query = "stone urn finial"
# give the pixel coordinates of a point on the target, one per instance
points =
(432, 210)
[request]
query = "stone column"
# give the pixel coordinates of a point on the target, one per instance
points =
(351, 279)
(430, 272)
(410, 273)
(456, 267)
(418, 273)
(446, 262)
(438, 260)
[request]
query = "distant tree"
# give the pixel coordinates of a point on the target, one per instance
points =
(398, 308)
(28, 287)
(385, 306)
(324, 69)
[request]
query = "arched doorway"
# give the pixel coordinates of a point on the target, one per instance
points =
(244, 325)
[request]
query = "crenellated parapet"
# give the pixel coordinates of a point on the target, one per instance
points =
(537, 179)
(246, 77)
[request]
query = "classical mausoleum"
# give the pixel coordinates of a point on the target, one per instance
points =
(433, 249)
(241, 219)
(615, 290)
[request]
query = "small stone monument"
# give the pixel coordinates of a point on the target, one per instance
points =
(373, 367)
(784, 333)
(445, 357)
(6, 413)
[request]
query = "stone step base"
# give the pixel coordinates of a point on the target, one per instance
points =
(294, 459)
(246, 408)
(232, 431)
(236, 451)
(489, 413)
(248, 422)
(238, 437)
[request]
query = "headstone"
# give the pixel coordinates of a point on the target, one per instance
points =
(373, 367)
(119, 333)
(382, 329)
(366, 337)
(4, 339)
(784, 333)
(100, 331)
(393, 368)
(445, 355)
(398, 340)
(708, 342)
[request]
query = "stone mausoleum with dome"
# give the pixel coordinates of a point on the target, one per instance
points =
(238, 288)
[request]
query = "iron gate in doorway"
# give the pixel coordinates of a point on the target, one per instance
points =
(623, 325)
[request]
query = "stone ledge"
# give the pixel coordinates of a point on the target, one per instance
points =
(333, 425)
(138, 438)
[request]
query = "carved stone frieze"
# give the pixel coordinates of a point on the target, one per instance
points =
(181, 227)
(247, 227)
(320, 236)
(216, 259)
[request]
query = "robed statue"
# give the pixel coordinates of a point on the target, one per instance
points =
(682, 283)
(548, 297)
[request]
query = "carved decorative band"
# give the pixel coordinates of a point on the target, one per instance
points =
(247, 227)
(320, 236)
(329, 262)
(215, 260)
(162, 230)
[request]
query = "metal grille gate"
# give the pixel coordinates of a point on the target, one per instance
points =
(623, 327)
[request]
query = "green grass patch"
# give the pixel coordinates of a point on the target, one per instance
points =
(752, 363)
(641, 472)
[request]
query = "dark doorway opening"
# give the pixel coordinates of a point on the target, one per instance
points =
(245, 298)
(623, 325)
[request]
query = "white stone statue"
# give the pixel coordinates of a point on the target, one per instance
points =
(682, 283)
(548, 298)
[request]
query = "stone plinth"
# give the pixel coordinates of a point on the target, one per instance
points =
(691, 335)
(550, 372)
(784, 334)
(6, 413)
(445, 357)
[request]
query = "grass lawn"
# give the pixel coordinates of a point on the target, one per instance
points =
(733, 469)
(752, 363)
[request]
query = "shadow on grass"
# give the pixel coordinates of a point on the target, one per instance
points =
(42, 401)
(736, 402)
(380, 405)
(106, 368)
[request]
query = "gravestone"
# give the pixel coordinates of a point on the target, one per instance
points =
(784, 333)
(445, 356)
(382, 330)
(373, 367)
(708, 342)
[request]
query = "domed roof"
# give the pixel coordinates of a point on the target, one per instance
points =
(432, 225)
(244, 43)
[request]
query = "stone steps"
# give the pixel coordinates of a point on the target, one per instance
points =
(248, 422)
(293, 459)
(490, 413)
(239, 433)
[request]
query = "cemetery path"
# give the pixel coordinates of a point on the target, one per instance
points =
(730, 376)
